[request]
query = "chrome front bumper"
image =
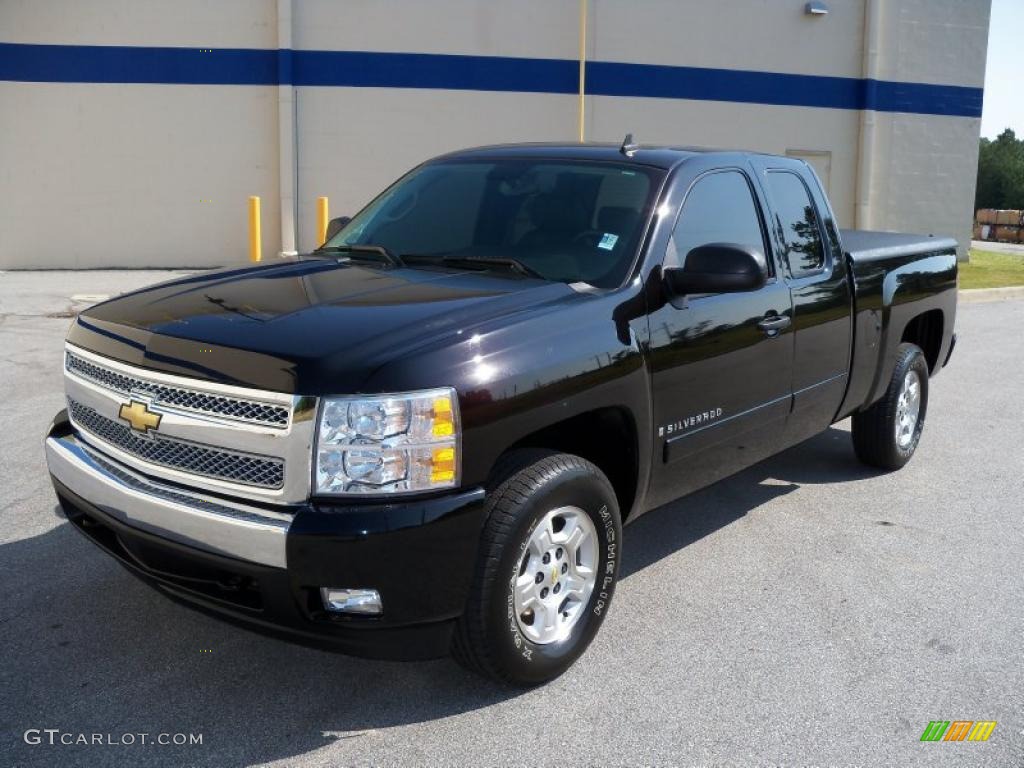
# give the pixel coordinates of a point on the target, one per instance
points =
(214, 525)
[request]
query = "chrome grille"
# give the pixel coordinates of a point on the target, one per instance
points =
(249, 411)
(169, 494)
(246, 469)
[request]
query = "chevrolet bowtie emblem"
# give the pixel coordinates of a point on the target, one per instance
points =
(139, 416)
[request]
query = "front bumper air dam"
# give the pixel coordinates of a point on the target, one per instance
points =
(262, 567)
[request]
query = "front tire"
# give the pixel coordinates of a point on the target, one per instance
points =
(886, 434)
(549, 561)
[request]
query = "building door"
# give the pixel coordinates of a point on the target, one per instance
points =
(820, 161)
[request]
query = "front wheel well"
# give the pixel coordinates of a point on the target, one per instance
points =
(925, 330)
(605, 437)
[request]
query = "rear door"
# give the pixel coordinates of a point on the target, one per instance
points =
(721, 364)
(804, 230)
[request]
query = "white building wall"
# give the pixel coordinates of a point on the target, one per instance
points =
(764, 128)
(137, 175)
(158, 174)
(134, 175)
(924, 167)
(355, 141)
(766, 36)
(760, 35)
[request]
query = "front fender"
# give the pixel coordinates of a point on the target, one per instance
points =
(525, 375)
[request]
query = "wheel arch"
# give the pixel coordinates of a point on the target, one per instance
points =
(607, 437)
(926, 331)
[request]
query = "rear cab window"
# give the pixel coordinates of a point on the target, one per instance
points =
(796, 222)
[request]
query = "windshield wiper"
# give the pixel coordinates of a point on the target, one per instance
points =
(360, 248)
(490, 262)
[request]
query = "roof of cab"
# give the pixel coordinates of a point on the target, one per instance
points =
(664, 157)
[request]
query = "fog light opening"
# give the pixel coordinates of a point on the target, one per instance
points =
(363, 602)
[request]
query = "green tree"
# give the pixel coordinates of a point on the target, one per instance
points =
(1001, 172)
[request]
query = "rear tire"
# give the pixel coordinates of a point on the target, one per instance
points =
(548, 564)
(886, 434)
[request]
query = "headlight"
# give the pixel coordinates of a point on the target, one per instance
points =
(405, 443)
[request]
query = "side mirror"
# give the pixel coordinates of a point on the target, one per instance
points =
(334, 226)
(718, 268)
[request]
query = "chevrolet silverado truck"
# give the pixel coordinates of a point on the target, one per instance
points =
(425, 436)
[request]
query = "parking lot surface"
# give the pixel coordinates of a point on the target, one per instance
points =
(806, 612)
(1016, 249)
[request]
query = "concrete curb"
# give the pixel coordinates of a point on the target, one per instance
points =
(979, 295)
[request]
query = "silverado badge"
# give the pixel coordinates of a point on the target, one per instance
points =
(137, 414)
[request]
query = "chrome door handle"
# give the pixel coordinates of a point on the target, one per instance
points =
(773, 324)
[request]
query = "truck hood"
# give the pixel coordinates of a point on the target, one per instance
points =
(309, 326)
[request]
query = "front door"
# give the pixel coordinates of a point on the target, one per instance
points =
(721, 364)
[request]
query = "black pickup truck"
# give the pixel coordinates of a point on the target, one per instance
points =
(425, 436)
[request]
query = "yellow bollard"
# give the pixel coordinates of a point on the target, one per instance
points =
(321, 221)
(255, 245)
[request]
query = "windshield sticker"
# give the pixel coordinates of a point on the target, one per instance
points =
(608, 241)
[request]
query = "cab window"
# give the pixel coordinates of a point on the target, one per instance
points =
(570, 221)
(796, 220)
(720, 208)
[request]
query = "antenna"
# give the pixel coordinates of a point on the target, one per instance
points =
(628, 146)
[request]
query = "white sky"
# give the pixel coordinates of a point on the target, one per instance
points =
(1004, 72)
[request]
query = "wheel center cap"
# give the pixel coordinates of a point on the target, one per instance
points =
(554, 575)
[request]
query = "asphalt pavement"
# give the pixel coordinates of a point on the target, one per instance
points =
(1015, 249)
(808, 611)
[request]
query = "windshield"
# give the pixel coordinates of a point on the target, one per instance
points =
(562, 220)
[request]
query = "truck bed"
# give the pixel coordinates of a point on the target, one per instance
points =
(862, 245)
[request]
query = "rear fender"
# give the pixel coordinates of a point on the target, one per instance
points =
(887, 298)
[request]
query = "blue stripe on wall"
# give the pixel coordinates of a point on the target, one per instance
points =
(242, 66)
(429, 70)
(124, 64)
(607, 78)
